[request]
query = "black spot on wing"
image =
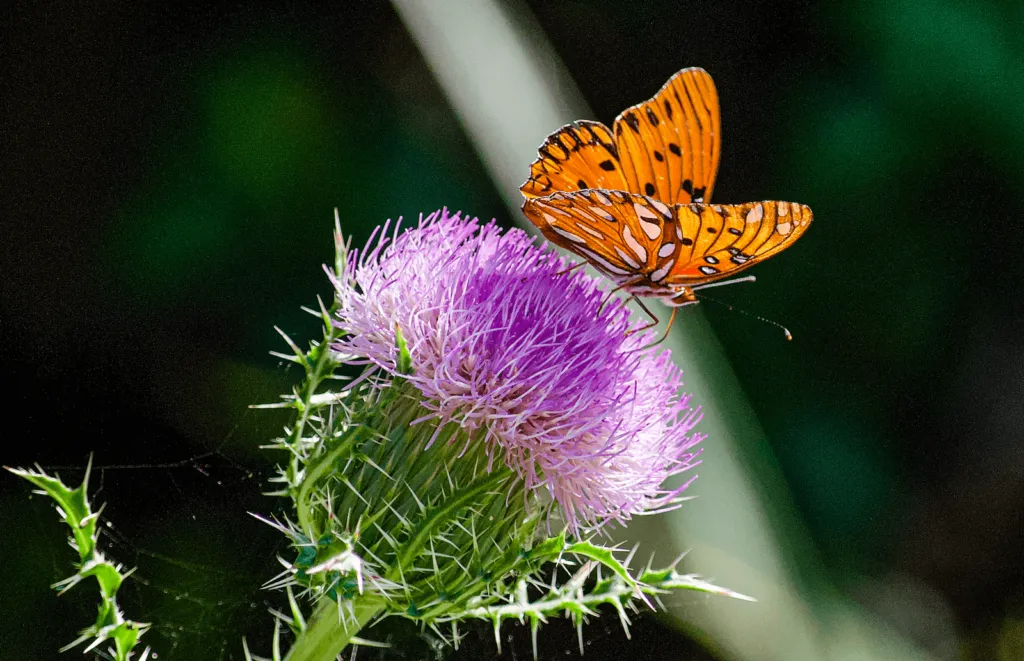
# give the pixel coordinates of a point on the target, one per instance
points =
(546, 153)
(652, 117)
(649, 188)
(607, 165)
(674, 148)
(543, 181)
(658, 156)
(668, 109)
(698, 193)
(633, 122)
(595, 139)
(693, 105)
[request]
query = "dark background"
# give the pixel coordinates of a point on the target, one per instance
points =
(169, 177)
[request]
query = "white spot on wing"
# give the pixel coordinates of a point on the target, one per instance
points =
(667, 249)
(652, 230)
(633, 244)
(784, 228)
(591, 231)
(603, 263)
(626, 258)
(602, 198)
(663, 208)
(679, 231)
(569, 235)
(756, 213)
(643, 212)
(548, 217)
(603, 213)
(659, 274)
(783, 208)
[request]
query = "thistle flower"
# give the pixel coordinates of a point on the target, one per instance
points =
(495, 393)
(524, 359)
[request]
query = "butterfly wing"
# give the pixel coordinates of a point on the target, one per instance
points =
(669, 146)
(621, 234)
(636, 238)
(579, 155)
(715, 241)
(666, 148)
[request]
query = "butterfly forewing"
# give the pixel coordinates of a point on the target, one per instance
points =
(666, 148)
(669, 145)
(580, 155)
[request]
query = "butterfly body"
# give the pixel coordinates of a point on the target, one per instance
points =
(632, 200)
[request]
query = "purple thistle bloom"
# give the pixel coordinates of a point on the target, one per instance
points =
(518, 356)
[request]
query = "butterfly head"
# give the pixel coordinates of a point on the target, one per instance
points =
(683, 296)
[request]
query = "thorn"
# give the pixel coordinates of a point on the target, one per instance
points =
(286, 356)
(291, 344)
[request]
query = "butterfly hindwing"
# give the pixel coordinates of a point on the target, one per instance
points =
(630, 236)
(719, 240)
(621, 234)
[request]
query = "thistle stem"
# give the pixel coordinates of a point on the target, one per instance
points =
(319, 364)
(332, 628)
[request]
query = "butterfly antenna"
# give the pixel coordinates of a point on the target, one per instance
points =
(734, 281)
(704, 297)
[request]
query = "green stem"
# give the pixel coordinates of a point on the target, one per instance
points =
(330, 631)
(303, 508)
(323, 365)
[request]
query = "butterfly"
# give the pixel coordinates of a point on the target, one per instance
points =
(633, 200)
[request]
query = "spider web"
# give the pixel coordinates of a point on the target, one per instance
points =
(200, 562)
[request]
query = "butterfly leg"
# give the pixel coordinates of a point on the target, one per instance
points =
(571, 269)
(672, 318)
(628, 283)
(654, 318)
(563, 271)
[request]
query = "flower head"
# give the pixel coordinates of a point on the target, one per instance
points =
(523, 358)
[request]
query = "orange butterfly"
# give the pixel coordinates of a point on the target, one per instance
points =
(632, 201)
